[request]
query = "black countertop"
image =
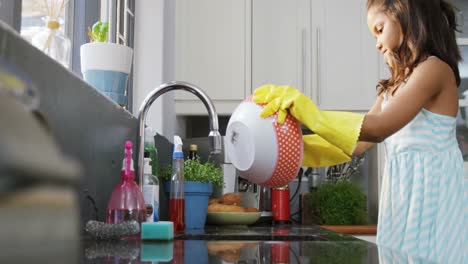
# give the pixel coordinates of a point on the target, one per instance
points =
(240, 244)
(265, 232)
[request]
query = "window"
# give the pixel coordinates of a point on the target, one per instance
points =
(33, 15)
(44, 24)
(121, 17)
(75, 19)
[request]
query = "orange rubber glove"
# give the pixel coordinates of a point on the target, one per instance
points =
(338, 128)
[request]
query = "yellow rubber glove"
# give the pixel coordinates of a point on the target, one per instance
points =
(319, 153)
(339, 128)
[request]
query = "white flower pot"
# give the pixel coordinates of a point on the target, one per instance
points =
(106, 66)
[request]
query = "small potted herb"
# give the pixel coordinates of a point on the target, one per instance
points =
(198, 186)
(337, 202)
(196, 171)
(106, 65)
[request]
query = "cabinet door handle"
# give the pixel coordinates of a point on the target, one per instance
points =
(303, 59)
(317, 61)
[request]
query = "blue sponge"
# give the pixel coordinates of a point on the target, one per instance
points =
(157, 251)
(162, 230)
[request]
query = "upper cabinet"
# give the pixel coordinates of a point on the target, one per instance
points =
(281, 43)
(210, 52)
(345, 62)
(322, 47)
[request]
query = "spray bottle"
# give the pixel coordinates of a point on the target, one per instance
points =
(150, 148)
(177, 198)
(150, 191)
(126, 202)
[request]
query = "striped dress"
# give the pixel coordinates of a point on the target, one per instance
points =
(423, 202)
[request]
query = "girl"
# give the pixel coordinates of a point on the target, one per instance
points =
(422, 209)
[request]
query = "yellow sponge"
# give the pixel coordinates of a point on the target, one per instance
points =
(161, 230)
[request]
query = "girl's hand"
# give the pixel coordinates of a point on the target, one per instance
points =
(338, 128)
(282, 99)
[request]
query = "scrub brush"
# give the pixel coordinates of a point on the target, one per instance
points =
(101, 230)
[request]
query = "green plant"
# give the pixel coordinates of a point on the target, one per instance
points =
(196, 171)
(340, 203)
(336, 252)
(99, 32)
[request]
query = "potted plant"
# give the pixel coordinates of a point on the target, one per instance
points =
(200, 178)
(337, 251)
(337, 203)
(106, 65)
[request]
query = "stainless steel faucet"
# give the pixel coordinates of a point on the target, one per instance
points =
(214, 136)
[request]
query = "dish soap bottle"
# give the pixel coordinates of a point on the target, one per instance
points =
(126, 202)
(177, 198)
(150, 191)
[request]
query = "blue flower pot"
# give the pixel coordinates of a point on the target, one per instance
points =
(197, 195)
(195, 251)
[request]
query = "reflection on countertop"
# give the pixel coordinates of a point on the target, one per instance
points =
(287, 244)
(265, 232)
(242, 251)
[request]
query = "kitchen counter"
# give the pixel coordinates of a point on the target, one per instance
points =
(265, 232)
(239, 244)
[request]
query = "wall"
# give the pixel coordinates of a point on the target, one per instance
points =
(10, 13)
(87, 126)
(152, 66)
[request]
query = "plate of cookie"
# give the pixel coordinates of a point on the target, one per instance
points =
(228, 210)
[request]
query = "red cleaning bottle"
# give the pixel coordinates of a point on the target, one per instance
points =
(126, 202)
(280, 205)
(177, 197)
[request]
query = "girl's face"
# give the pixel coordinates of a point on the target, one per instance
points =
(387, 32)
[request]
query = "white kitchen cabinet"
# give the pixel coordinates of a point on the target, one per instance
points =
(345, 62)
(281, 43)
(322, 47)
(211, 43)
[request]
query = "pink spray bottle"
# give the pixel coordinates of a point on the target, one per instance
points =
(126, 202)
